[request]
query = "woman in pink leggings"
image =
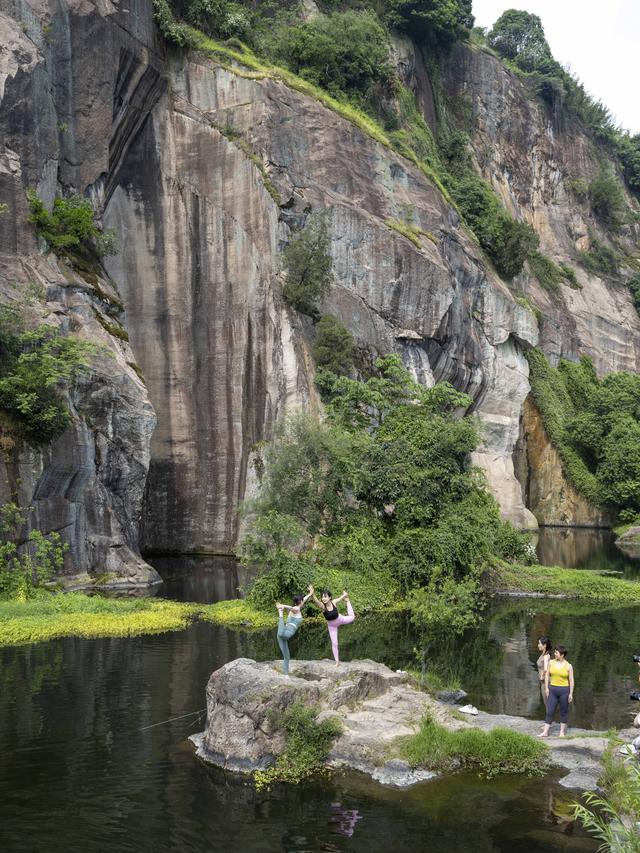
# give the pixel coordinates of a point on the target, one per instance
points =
(334, 619)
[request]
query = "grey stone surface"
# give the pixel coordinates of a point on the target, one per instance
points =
(243, 696)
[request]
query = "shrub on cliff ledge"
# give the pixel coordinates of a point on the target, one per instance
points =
(333, 347)
(70, 227)
(507, 241)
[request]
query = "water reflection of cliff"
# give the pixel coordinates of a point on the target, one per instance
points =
(584, 548)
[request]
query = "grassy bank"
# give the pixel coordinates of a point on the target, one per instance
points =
(569, 583)
(490, 753)
(74, 614)
(54, 615)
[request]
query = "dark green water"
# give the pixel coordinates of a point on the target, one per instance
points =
(584, 548)
(83, 767)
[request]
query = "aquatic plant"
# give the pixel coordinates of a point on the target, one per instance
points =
(614, 818)
(52, 615)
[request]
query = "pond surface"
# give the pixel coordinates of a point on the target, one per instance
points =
(584, 548)
(85, 766)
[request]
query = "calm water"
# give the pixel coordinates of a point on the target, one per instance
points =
(584, 548)
(83, 766)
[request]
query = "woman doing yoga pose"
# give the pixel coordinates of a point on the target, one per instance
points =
(559, 686)
(334, 619)
(288, 629)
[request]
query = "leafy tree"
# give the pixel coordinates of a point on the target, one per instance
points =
(307, 263)
(333, 347)
(381, 490)
(222, 18)
(25, 566)
(35, 366)
(519, 36)
(432, 23)
(346, 53)
(443, 609)
(607, 199)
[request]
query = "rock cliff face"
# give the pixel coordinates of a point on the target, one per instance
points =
(532, 155)
(162, 144)
(66, 76)
(548, 493)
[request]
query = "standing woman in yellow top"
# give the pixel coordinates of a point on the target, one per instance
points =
(558, 682)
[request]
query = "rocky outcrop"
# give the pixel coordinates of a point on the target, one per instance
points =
(532, 155)
(208, 237)
(546, 490)
(629, 542)
(374, 705)
(88, 484)
(76, 81)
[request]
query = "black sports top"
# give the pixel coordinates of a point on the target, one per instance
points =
(329, 615)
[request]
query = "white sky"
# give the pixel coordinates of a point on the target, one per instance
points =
(598, 39)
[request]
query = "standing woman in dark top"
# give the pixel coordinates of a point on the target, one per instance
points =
(329, 608)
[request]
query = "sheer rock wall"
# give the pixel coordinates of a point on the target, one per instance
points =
(91, 102)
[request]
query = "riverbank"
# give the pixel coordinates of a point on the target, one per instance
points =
(53, 615)
(554, 582)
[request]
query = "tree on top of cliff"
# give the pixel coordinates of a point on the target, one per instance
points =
(519, 36)
(436, 23)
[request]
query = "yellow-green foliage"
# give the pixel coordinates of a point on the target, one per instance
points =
(407, 229)
(571, 583)
(78, 615)
(238, 613)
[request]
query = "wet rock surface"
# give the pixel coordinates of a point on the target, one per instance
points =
(375, 707)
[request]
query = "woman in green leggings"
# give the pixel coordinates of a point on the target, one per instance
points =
(287, 629)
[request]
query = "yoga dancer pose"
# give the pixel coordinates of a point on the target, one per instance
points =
(333, 617)
(559, 686)
(288, 629)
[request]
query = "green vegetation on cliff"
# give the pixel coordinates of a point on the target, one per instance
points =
(37, 365)
(70, 228)
(594, 424)
(307, 265)
(519, 38)
(342, 58)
